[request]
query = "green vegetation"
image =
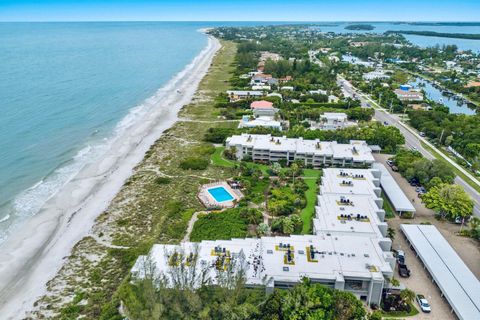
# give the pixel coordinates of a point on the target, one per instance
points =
(218, 159)
(450, 201)
(193, 163)
(311, 178)
(365, 27)
(455, 170)
(387, 206)
(473, 230)
(163, 180)
(413, 166)
(227, 224)
(148, 300)
(218, 135)
(387, 137)
(400, 314)
(312, 301)
(459, 131)
(439, 34)
(147, 210)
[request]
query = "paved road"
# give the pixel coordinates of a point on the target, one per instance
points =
(411, 140)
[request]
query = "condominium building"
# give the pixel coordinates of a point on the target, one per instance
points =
(344, 262)
(348, 251)
(314, 153)
(350, 202)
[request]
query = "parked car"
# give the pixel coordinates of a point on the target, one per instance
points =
(423, 303)
(422, 134)
(400, 256)
(414, 182)
(390, 162)
(458, 220)
(394, 168)
(420, 189)
(403, 270)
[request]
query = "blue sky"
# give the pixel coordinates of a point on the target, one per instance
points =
(240, 10)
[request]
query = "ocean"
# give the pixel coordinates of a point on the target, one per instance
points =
(67, 89)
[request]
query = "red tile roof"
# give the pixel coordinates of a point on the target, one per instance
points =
(262, 104)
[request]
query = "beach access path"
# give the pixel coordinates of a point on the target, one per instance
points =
(32, 256)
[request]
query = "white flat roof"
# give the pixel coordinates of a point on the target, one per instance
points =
(329, 211)
(356, 150)
(340, 116)
(357, 181)
(263, 121)
(245, 92)
(338, 255)
(457, 283)
(393, 191)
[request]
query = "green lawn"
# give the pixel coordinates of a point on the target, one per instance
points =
(387, 206)
(218, 159)
(310, 176)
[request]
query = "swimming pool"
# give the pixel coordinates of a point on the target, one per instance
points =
(220, 194)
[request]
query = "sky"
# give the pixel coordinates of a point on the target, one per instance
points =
(240, 10)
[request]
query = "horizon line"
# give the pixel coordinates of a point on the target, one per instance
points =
(294, 21)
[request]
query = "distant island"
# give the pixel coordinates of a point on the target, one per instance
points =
(438, 34)
(455, 24)
(359, 27)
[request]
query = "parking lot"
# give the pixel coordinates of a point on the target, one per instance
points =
(420, 281)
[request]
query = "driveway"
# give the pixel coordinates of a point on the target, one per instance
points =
(420, 281)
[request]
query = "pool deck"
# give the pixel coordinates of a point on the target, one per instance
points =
(211, 203)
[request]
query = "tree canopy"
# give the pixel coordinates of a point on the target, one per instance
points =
(449, 200)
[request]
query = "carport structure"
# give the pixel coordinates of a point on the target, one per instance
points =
(457, 283)
(394, 193)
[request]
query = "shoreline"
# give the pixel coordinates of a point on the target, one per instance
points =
(30, 259)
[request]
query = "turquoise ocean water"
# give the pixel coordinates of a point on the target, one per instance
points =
(66, 88)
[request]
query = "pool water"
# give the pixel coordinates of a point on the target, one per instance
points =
(220, 194)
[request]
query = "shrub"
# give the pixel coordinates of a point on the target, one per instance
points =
(194, 163)
(162, 180)
(225, 225)
(218, 135)
(205, 149)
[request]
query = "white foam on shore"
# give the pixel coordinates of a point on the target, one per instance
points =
(63, 210)
(30, 202)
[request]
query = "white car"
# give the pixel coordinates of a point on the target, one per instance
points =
(423, 303)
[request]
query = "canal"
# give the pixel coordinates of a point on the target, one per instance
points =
(453, 102)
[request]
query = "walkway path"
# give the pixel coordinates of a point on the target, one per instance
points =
(105, 243)
(192, 221)
(205, 121)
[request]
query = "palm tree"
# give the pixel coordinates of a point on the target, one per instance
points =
(394, 282)
(474, 223)
(391, 233)
(407, 296)
(287, 225)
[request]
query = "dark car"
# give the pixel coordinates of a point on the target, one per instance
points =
(403, 270)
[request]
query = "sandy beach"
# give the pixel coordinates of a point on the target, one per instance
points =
(32, 256)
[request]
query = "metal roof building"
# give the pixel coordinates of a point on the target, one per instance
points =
(392, 190)
(458, 284)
